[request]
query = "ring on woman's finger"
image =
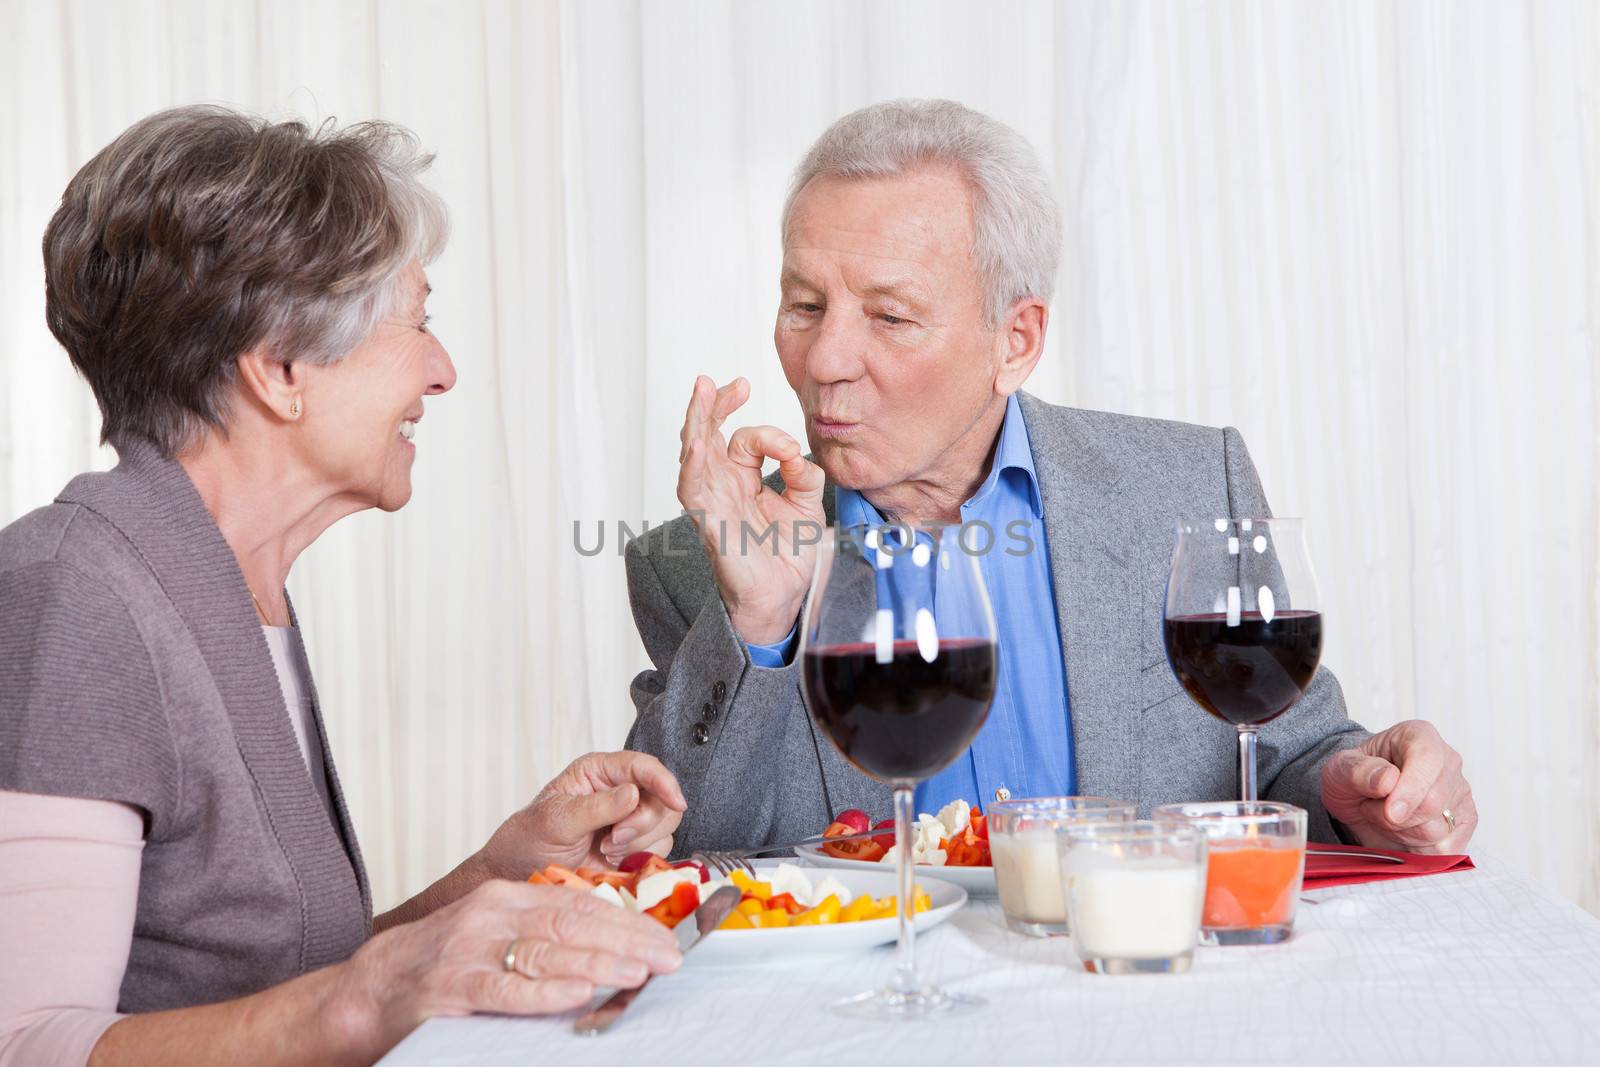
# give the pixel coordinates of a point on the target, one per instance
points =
(1449, 819)
(509, 960)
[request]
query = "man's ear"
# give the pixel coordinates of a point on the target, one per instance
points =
(273, 383)
(1022, 343)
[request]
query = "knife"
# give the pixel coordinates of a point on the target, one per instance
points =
(707, 917)
(1376, 857)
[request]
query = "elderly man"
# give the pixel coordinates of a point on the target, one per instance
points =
(920, 248)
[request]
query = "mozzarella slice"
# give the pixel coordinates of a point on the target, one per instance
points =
(792, 880)
(609, 894)
(956, 817)
(658, 887)
(830, 887)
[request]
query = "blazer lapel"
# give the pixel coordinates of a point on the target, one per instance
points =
(1094, 567)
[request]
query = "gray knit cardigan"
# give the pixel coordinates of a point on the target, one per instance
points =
(133, 668)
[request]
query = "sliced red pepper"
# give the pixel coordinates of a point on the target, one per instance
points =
(787, 902)
(680, 905)
(967, 850)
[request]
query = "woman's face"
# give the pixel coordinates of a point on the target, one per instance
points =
(359, 413)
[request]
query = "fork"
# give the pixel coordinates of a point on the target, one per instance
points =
(726, 861)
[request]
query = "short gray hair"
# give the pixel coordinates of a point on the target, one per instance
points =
(1016, 225)
(200, 233)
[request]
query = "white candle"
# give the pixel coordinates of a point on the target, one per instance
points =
(1027, 873)
(1133, 909)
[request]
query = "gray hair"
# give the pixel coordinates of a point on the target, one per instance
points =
(1017, 230)
(200, 233)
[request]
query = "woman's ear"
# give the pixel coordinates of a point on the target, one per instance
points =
(273, 383)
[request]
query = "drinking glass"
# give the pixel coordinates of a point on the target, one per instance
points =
(1027, 872)
(1134, 893)
(1258, 858)
(897, 646)
(1242, 627)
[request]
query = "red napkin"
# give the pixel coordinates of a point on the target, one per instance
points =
(1324, 871)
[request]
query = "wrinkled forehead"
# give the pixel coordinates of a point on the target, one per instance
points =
(919, 224)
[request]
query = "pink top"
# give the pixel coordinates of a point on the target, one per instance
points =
(69, 884)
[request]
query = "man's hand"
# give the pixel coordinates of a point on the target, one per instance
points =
(1393, 790)
(602, 807)
(763, 583)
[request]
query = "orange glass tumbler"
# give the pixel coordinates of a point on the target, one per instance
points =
(1258, 853)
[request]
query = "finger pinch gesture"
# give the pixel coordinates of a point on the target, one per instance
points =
(759, 541)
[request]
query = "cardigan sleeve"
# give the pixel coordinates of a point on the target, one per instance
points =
(81, 710)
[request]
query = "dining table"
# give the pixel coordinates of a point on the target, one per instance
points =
(1481, 966)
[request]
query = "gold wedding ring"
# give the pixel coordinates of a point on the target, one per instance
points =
(510, 958)
(1449, 819)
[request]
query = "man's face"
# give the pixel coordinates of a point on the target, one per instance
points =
(880, 327)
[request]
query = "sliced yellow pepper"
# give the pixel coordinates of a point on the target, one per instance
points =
(862, 907)
(771, 918)
(751, 907)
(823, 914)
(750, 887)
(737, 920)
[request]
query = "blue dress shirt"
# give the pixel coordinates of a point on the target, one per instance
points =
(1026, 744)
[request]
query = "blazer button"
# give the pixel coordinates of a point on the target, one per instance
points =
(709, 712)
(702, 733)
(718, 691)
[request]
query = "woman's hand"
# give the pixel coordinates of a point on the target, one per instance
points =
(602, 807)
(564, 943)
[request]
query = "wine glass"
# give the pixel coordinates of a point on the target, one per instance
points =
(1242, 628)
(898, 657)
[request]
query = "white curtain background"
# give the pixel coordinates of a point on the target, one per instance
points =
(1367, 234)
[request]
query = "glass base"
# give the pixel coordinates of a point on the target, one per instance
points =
(1249, 935)
(891, 1005)
(1033, 929)
(1171, 965)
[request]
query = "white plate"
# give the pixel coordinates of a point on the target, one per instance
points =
(978, 881)
(766, 946)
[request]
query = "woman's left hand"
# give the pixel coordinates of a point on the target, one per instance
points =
(602, 807)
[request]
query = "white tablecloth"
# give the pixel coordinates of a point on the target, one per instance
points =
(1479, 967)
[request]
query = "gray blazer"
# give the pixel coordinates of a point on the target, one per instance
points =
(754, 768)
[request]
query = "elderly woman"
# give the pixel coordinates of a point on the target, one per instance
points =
(179, 877)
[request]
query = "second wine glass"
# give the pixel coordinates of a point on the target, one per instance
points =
(899, 666)
(1242, 626)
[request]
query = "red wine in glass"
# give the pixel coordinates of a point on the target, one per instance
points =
(1242, 626)
(906, 718)
(898, 667)
(1251, 672)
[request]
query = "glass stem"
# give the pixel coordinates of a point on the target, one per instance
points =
(905, 956)
(1247, 764)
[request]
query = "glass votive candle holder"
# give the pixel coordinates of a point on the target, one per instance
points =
(1134, 892)
(1027, 871)
(1258, 858)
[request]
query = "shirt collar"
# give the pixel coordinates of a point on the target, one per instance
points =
(1012, 453)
